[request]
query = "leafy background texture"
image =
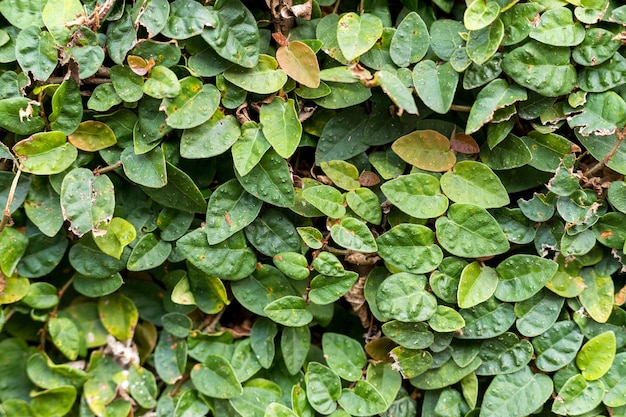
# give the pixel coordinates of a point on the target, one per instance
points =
(304, 208)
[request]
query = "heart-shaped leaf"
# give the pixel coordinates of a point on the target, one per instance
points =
(262, 78)
(477, 284)
(356, 34)
(556, 27)
(410, 248)
(194, 105)
(298, 60)
(45, 153)
(435, 84)
(496, 95)
(474, 183)
(425, 149)
(465, 226)
(418, 195)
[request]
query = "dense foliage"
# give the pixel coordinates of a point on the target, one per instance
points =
(328, 208)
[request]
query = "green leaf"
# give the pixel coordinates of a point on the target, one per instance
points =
(403, 297)
(289, 311)
(326, 31)
(13, 244)
(480, 14)
(397, 91)
(542, 68)
(344, 355)
(605, 76)
(510, 153)
(262, 340)
(409, 43)
(147, 169)
(557, 28)
(20, 115)
(244, 361)
(188, 18)
(617, 195)
(332, 145)
(425, 149)
(447, 374)
(598, 46)
(119, 234)
(270, 181)
(15, 287)
(477, 284)
(148, 253)
(127, 84)
(41, 295)
(409, 335)
(486, 320)
(118, 315)
(45, 153)
(578, 396)
(279, 410)
(97, 287)
(230, 209)
(517, 394)
(267, 281)
(344, 95)
(87, 259)
(614, 383)
(353, 234)
(411, 362)
(557, 346)
(596, 356)
(235, 35)
(262, 78)
(547, 150)
(121, 37)
(435, 84)
(272, 233)
(356, 34)
(343, 174)
(446, 319)
(194, 105)
(280, 125)
(211, 138)
(311, 237)
(522, 276)
(329, 265)
(92, 136)
(505, 354)
(362, 400)
(601, 115)
(323, 387)
(216, 378)
(410, 248)
(142, 386)
(154, 17)
(53, 402)
(87, 201)
(36, 52)
(46, 374)
(496, 95)
(180, 192)
(23, 13)
(538, 313)
(67, 108)
(162, 83)
(327, 199)
(483, 44)
(231, 259)
(474, 183)
(249, 148)
(295, 343)
(65, 336)
(104, 97)
(597, 296)
(469, 231)
(328, 289)
(292, 264)
(365, 204)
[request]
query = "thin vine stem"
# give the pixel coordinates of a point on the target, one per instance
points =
(621, 135)
(6, 215)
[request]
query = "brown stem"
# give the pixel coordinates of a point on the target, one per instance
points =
(335, 250)
(336, 6)
(103, 170)
(6, 215)
(621, 135)
(459, 107)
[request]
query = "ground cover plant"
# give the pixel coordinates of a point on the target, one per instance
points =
(281, 209)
